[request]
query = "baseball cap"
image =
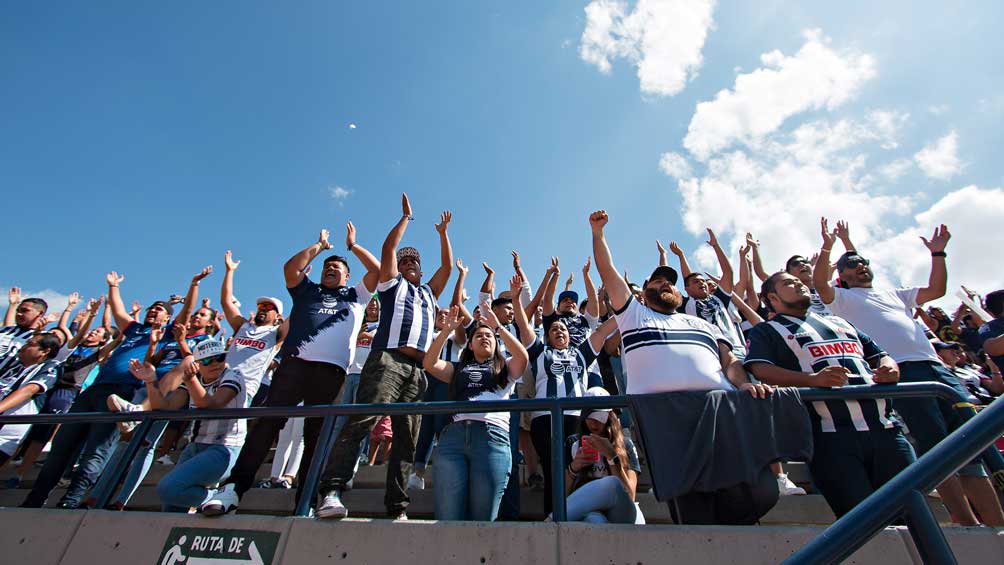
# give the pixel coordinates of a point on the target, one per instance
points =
(568, 294)
(941, 345)
(163, 304)
(601, 414)
(847, 258)
(274, 301)
(665, 271)
(208, 348)
(409, 252)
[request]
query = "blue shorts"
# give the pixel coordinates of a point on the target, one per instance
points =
(57, 401)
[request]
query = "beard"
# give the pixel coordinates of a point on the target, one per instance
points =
(668, 300)
(802, 303)
(260, 318)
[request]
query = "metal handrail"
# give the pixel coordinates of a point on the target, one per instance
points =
(840, 540)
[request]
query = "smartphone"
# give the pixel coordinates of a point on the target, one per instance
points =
(588, 451)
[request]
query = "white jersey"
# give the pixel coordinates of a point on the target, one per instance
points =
(886, 316)
(251, 352)
(669, 352)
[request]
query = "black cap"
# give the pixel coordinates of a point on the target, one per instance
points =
(846, 258)
(668, 273)
(941, 345)
(165, 305)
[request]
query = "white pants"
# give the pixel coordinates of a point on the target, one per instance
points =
(288, 449)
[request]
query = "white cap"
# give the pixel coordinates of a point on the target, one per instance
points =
(598, 414)
(274, 301)
(208, 348)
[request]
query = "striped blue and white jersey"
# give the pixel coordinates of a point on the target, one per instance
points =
(715, 310)
(407, 315)
(560, 373)
(669, 352)
(11, 340)
(808, 345)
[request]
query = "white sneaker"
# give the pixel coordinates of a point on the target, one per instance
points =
(165, 460)
(118, 404)
(787, 488)
(416, 482)
(332, 507)
(223, 501)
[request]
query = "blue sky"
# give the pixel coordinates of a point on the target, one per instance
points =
(149, 138)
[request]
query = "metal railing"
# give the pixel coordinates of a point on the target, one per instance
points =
(902, 495)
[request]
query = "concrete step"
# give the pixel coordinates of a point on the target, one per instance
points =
(369, 503)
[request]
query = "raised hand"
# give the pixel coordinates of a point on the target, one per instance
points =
(842, 231)
(143, 371)
(814, 259)
(444, 221)
(322, 238)
(662, 250)
(515, 286)
(553, 269)
(202, 274)
(829, 238)
(571, 279)
(156, 334)
(114, 279)
(712, 239)
(598, 220)
(191, 370)
(405, 205)
(750, 241)
(675, 249)
(231, 263)
(14, 295)
(175, 299)
(461, 268)
(48, 319)
(96, 304)
(744, 251)
(939, 240)
(178, 330)
(515, 260)
(453, 318)
(72, 300)
(589, 263)
(136, 307)
(487, 317)
(487, 268)
(350, 235)
(206, 302)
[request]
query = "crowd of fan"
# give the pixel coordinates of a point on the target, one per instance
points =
(383, 338)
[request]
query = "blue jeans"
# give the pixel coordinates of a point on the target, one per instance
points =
(473, 461)
(200, 466)
(97, 441)
(432, 424)
(602, 501)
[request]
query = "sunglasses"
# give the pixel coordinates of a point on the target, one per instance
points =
(214, 359)
(800, 262)
(855, 263)
(266, 306)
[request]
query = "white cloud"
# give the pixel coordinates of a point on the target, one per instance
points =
(966, 212)
(339, 194)
(940, 159)
(895, 169)
(938, 110)
(663, 38)
(675, 165)
(817, 76)
(56, 300)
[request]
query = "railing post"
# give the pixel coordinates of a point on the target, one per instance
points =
(122, 465)
(557, 463)
(321, 451)
(925, 531)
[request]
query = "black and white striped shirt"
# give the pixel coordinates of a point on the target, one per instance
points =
(808, 345)
(407, 315)
(715, 310)
(11, 340)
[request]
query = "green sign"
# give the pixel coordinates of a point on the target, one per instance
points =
(211, 546)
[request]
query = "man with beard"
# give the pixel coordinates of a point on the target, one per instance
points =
(113, 378)
(665, 350)
(858, 445)
(711, 305)
(323, 325)
(887, 316)
(255, 341)
(393, 372)
(22, 319)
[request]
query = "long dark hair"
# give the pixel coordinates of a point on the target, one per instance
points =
(498, 360)
(614, 433)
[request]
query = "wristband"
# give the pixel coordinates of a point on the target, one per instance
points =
(571, 472)
(408, 217)
(938, 254)
(349, 248)
(826, 249)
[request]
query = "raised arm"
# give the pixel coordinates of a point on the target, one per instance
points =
(64, 318)
(728, 278)
(757, 262)
(820, 275)
(930, 322)
(489, 282)
(146, 372)
(682, 257)
(13, 300)
(156, 334)
(122, 318)
(91, 312)
(388, 253)
(201, 398)
(442, 275)
(592, 302)
(617, 289)
(598, 338)
(368, 260)
(552, 284)
(518, 269)
(518, 357)
(442, 370)
(458, 299)
(526, 334)
(296, 268)
(663, 257)
(192, 296)
(937, 282)
(230, 310)
(747, 289)
(843, 231)
(538, 296)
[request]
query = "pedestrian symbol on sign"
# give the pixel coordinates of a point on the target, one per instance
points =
(205, 546)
